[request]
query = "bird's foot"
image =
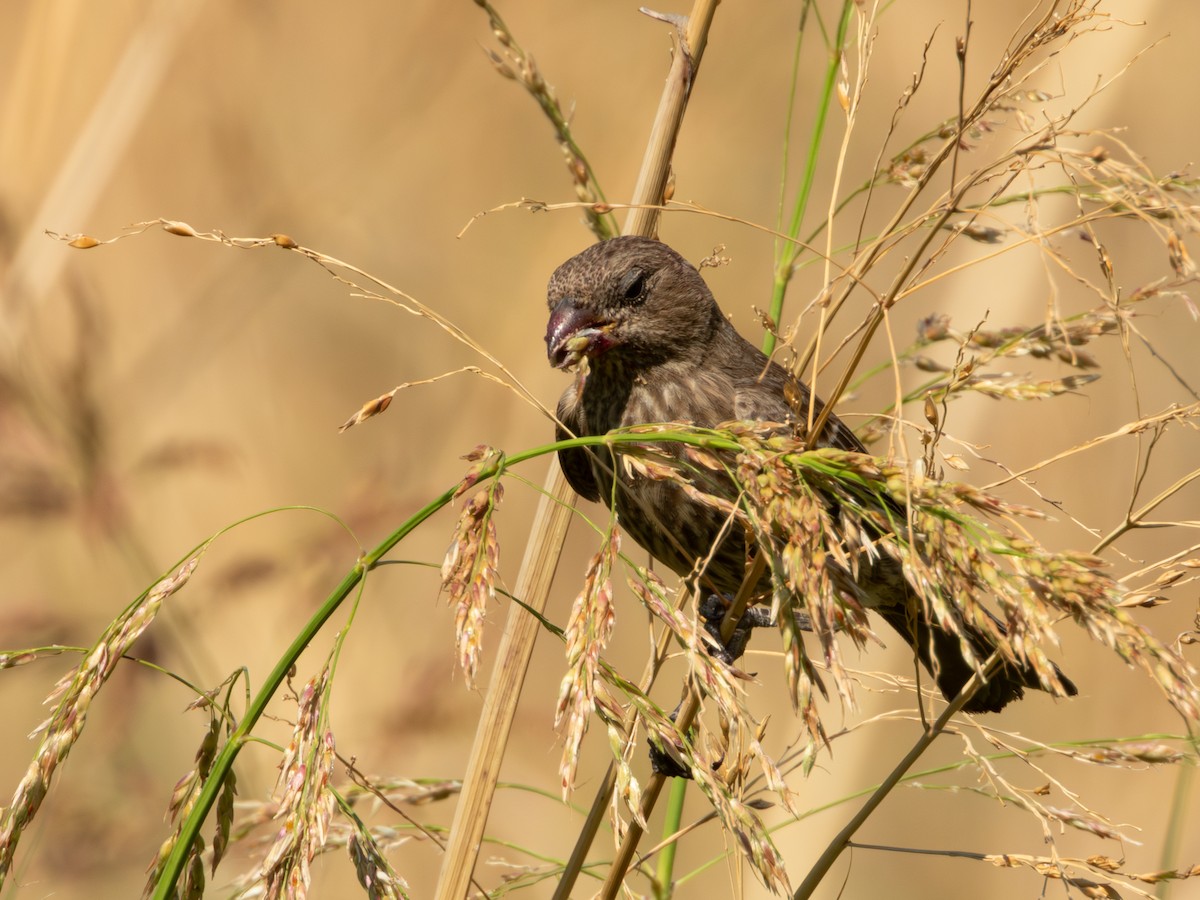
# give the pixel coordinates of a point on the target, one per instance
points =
(664, 763)
(712, 612)
(673, 765)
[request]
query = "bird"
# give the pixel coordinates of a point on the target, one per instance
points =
(659, 349)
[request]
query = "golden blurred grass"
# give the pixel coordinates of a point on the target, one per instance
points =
(160, 389)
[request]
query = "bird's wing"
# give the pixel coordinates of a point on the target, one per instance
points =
(775, 396)
(760, 399)
(575, 462)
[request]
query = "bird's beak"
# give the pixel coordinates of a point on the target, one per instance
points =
(573, 333)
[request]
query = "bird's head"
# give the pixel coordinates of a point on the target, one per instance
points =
(629, 295)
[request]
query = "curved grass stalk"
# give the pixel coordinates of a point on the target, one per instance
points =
(223, 764)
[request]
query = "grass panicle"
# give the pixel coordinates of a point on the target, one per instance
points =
(471, 567)
(72, 698)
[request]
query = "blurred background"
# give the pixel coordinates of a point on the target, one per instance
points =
(157, 390)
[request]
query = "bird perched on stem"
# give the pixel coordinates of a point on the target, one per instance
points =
(652, 346)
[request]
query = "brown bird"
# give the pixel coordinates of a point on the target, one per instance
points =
(658, 349)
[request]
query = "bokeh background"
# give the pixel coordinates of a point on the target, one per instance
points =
(159, 389)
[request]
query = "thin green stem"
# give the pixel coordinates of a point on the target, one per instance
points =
(823, 864)
(789, 251)
(1176, 819)
(942, 770)
(791, 109)
(222, 765)
(664, 879)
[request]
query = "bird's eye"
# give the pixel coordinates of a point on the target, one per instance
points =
(633, 284)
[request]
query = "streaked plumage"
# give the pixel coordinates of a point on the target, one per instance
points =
(660, 350)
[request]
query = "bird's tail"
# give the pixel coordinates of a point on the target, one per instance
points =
(941, 653)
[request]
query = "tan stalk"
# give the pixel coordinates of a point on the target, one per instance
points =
(652, 180)
(553, 515)
(504, 690)
(842, 840)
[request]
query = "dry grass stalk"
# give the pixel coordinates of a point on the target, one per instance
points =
(1000, 788)
(367, 846)
(715, 680)
(1096, 876)
(97, 150)
(1054, 26)
(1099, 876)
(709, 674)
(513, 654)
(532, 583)
(377, 405)
(74, 694)
(344, 273)
(514, 63)
(12, 658)
(618, 785)
(549, 533)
